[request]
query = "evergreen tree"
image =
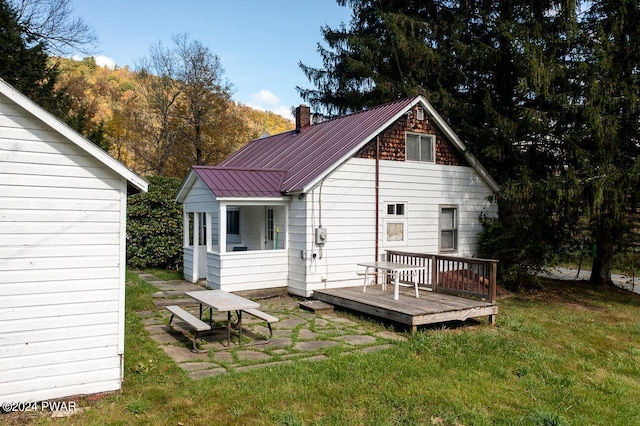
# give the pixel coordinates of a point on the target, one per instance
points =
(24, 62)
(495, 70)
(605, 141)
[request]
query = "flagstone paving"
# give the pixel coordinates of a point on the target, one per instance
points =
(300, 335)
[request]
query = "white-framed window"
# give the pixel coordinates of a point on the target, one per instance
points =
(448, 224)
(233, 225)
(420, 147)
(395, 224)
(395, 209)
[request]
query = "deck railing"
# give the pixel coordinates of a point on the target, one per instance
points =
(464, 276)
(417, 259)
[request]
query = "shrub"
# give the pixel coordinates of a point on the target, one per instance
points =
(154, 226)
(529, 234)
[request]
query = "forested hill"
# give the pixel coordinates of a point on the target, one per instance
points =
(148, 122)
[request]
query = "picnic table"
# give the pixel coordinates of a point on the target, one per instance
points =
(221, 301)
(395, 269)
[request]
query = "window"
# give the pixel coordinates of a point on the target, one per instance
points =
(420, 147)
(395, 231)
(395, 224)
(233, 221)
(448, 228)
(395, 209)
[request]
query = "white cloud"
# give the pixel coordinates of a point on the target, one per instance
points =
(265, 97)
(101, 60)
(284, 111)
(105, 61)
(265, 100)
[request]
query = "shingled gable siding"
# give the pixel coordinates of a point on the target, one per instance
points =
(392, 144)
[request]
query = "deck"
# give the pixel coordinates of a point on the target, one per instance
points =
(429, 308)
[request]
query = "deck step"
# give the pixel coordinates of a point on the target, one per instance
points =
(317, 306)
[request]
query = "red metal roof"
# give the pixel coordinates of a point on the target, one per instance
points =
(307, 154)
(230, 182)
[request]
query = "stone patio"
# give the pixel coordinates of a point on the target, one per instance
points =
(300, 335)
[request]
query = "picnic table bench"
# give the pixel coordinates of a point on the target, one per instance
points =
(196, 324)
(265, 317)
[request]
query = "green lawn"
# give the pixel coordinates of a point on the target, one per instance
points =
(566, 355)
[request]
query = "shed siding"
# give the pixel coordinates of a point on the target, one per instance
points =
(348, 213)
(62, 274)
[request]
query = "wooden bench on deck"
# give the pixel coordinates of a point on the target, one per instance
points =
(191, 320)
(265, 317)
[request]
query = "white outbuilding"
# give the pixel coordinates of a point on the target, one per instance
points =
(63, 207)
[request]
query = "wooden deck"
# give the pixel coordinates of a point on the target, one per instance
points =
(429, 308)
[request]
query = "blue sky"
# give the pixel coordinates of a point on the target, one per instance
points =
(259, 43)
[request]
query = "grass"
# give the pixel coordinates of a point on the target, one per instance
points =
(565, 355)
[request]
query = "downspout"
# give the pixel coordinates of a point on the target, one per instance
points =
(377, 200)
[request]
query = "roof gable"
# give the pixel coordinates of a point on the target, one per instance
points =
(68, 133)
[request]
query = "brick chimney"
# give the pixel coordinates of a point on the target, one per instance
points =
(303, 117)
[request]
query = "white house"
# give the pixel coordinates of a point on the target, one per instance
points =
(302, 208)
(62, 257)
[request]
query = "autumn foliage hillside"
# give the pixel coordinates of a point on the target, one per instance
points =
(128, 115)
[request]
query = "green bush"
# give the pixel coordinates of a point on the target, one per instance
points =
(154, 226)
(530, 233)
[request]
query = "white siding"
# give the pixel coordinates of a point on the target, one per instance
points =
(188, 263)
(61, 264)
(247, 270)
(297, 238)
(348, 213)
(199, 198)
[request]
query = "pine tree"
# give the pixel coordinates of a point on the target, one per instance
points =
(606, 139)
(496, 71)
(24, 63)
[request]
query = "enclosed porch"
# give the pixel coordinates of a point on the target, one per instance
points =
(237, 245)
